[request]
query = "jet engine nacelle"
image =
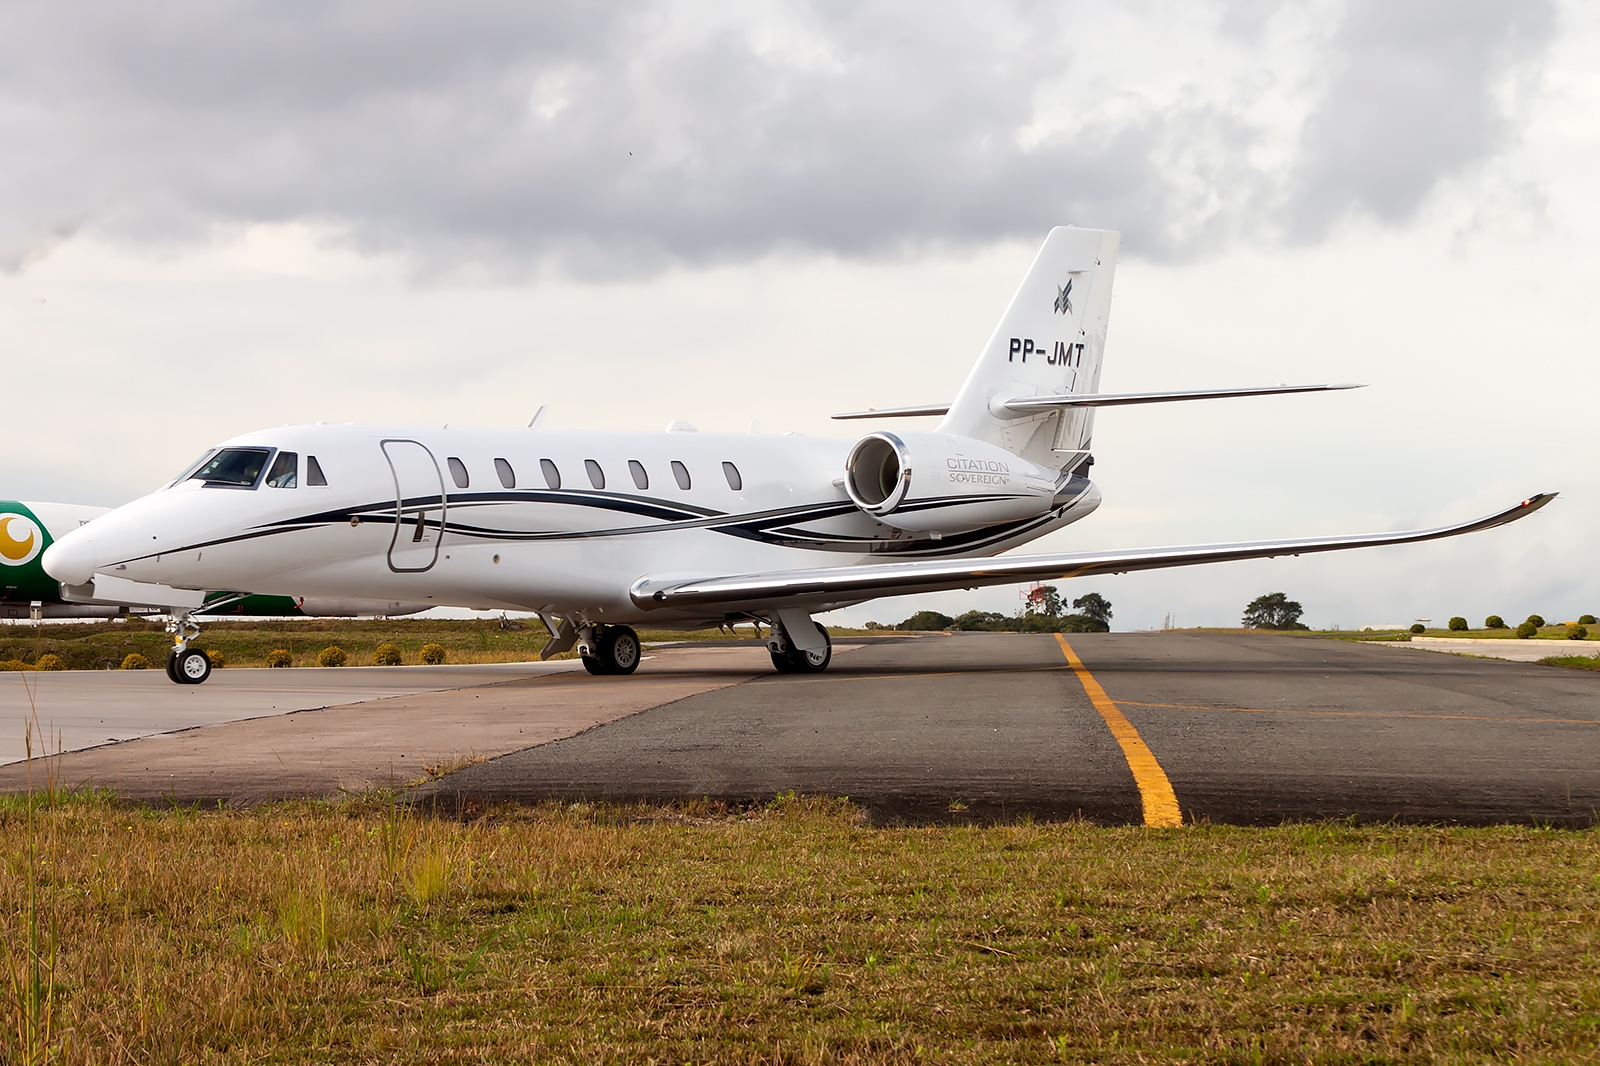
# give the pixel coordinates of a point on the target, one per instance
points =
(939, 483)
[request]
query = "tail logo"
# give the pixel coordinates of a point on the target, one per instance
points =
(20, 539)
(1064, 298)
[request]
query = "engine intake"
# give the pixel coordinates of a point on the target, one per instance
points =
(878, 473)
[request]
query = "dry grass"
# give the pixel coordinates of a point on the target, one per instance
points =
(793, 933)
(1577, 662)
(103, 645)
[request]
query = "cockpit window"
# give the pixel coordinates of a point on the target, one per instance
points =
(192, 467)
(314, 474)
(237, 467)
(284, 469)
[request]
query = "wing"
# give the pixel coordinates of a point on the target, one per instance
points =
(839, 584)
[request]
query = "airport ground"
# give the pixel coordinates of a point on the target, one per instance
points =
(1224, 727)
(642, 876)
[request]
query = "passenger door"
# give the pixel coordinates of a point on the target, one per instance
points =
(419, 509)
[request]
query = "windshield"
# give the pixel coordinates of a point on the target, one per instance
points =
(239, 467)
(192, 467)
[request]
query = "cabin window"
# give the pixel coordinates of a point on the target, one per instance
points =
(552, 476)
(284, 469)
(238, 468)
(641, 480)
(314, 474)
(508, 476)
(731, 472)
(597, 477)
(458, 472)
(681, 474)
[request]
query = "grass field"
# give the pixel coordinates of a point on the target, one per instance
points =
(103, 645)
(790, 933)
(1576, 662)
(1545, 633)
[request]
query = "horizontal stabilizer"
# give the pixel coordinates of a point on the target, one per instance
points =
(1029, 405)
(847, 584)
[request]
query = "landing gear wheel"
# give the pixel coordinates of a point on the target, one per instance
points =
(172, 667)
(593, 665)
(189, 667)
(619, 650)
(781, 663)
(807, 662)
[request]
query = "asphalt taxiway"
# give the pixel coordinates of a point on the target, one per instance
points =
(1114, 728)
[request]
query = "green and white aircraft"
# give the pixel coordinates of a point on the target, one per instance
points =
(26, 591)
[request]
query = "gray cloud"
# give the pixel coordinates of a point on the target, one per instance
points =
(1411, 100)
(625, 137)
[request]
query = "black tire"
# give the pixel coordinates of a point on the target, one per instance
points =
(804, 662)
(593, 665)
(620, 650)
(781, 663)
(172, 667)
(191, 667)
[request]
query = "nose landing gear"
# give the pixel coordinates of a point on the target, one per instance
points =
(186, 665)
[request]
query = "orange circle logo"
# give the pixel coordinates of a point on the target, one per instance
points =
(20, 539)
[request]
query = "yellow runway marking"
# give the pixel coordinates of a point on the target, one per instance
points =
(1368, 714)
(1155, 791)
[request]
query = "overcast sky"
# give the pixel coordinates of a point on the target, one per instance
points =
(219, 216)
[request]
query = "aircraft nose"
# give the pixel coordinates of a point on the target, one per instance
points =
(71, 559)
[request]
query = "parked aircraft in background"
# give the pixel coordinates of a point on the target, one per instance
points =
(26, 591)
(600, 531)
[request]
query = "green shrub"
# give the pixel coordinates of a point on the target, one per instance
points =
(280, 658)
(433, 654)
(332, 655)
(1418, 627)
(1527, 629)
(218, 660)
(387, 654)
(1494, 621)
(135, 661)
(49, 661)
(1536, 619)
(1573, 633)
(926, 620)
(1458, 624)
(1586, 620)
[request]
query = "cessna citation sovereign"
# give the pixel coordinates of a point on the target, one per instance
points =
(598, 532)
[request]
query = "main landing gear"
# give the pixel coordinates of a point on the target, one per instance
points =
(614, 649)
(789, 658)
(186, 665)
(610, 650)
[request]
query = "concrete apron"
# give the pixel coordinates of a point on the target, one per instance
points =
(1510, 649)
(387, 743)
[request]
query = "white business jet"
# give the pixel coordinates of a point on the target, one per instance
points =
(599, 532)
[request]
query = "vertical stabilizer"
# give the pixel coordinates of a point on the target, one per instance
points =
(1048, 343)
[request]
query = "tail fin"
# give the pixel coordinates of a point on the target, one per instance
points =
(1048, 343)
